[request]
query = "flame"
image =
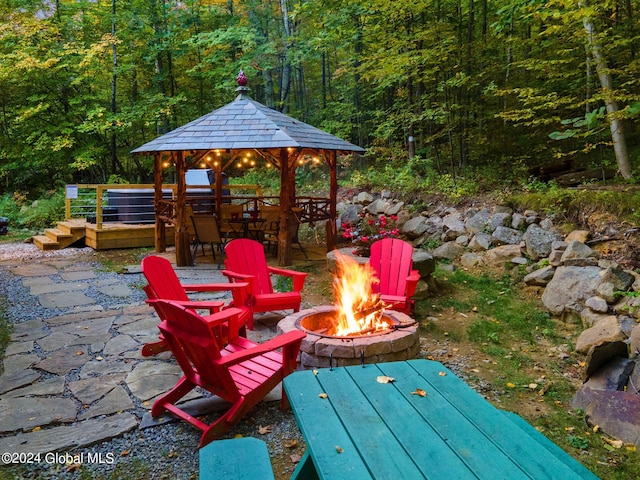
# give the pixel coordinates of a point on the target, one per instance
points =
(359, 309)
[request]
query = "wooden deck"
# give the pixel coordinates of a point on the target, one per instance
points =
(109, 236)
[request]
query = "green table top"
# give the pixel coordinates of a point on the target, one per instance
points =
(358, 428)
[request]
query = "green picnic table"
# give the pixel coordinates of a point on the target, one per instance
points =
(425, 423)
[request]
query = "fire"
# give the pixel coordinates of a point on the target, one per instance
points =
(359, 309)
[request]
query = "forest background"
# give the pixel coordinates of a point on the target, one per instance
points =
(447, 95)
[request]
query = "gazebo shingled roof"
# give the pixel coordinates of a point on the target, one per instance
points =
(245, 124)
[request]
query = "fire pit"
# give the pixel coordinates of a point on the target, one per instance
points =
(398, 342)
(357, 329)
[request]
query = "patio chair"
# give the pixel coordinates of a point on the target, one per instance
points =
(207, 232)
(391, 260)
(271, 236)
(164, 284)
(246, 262)
(227, 212)
(242, 373)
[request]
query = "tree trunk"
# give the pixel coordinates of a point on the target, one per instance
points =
(606, 82)
(285, 86)
(114, 77)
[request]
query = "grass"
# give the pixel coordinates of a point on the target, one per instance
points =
(507, 330)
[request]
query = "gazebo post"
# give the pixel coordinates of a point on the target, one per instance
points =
(333, 199)
(183, 253)
(284, 242)
(160, 228)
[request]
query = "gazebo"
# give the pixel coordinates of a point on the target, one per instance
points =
(241, 126)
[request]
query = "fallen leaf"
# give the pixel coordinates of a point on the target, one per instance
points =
(511, 385)
(238, 435)
(533, 386)
(124, 453)
(339, 449)
(631, 447)
(385, 379)
(36, 429)
(475, 370)
(32, 418)
(614, 443)
(295, 458)
(569, 429)
(442, 374)
(73, 467)
(99, 358)
(419, 391)
(172, 454)
(293, 443)
(596, 428)
(79, 352)
(264, 430)
(323, 395)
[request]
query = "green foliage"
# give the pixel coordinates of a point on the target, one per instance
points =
(33, 215)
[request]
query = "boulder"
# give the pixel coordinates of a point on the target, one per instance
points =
(614, 412)
(597, 304)
(395, 208)
(502, 254)
(620, 279)
(607, 291)
(579, 235)
(462, 240)
(518, 221)
(538, 241)
(453, 226)
(481, 241)
(606, 330)
(449, 251)
(610, 360)
(578, 250)
(570, 288)
(377, 207)
(540, 277)
(478, 222)
(500, 209)
(506, 236)
(424, 263)
(500, 219)
(634, 343)
(364, 198)
(351, 214)
(470, 260)
(589, 318)
(430, 227)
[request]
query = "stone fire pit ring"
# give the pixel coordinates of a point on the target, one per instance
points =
(401, 343)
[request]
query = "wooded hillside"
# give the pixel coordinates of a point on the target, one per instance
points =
(457, 86)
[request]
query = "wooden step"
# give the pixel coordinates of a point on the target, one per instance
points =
(57, 234)
(45, 243)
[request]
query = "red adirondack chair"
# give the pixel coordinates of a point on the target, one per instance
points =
(242, 373)
(391, 260)
(164, 284)
(246, 262)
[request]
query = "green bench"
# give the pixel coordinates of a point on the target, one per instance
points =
(245, 458)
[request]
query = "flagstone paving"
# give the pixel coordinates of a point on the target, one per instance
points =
(76, 378)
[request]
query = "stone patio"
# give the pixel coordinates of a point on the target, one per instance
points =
(78, 378)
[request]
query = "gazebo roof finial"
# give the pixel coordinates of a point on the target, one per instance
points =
(242, 84)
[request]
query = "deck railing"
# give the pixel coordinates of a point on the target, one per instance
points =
(134, 203)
